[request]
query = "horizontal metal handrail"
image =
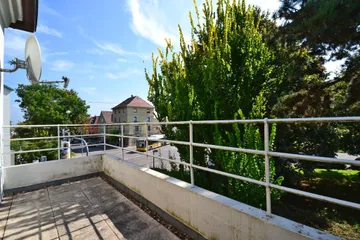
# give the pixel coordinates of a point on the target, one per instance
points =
(33, 138)
(31, 151)
(240, 121)
(83, 135)
(314, 158)
(314, 120)
(316, 196)
(113, 135)
(233, 149)
(174, 142)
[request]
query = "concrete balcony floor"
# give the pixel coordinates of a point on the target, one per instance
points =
(86, 209)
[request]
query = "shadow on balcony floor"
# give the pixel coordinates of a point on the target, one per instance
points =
(87, 209)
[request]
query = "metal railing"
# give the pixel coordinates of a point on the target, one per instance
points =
(266, 152)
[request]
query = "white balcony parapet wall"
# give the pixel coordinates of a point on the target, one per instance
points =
(211, 214)
(25, 175)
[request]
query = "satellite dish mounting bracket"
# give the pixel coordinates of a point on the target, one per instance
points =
(17, 64)
(64, 80)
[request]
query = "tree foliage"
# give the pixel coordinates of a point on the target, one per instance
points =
(226, 72)
(46, 104)
(329, 29)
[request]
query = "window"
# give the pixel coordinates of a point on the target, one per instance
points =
(149, 128)
(134, 110)
(137, 128)
(123, 110)
(114, 119)
(147, 110)
(148, 119)
(135, 119)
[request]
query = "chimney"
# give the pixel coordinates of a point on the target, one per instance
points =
(132, 95)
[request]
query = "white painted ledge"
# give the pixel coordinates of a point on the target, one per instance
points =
(211, 214)
(35, 173)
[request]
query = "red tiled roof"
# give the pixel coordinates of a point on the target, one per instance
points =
(94, 120)
(107, 116)
(134, 101)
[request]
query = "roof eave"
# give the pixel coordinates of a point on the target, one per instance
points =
(30, 16)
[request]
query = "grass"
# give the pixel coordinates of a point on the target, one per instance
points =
(337, 174)
(335, 219)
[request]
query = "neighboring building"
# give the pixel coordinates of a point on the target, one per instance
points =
(93, 129)
(135, 109)
(20, 15)
(105, 117)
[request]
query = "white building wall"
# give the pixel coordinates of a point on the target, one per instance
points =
(8, 159)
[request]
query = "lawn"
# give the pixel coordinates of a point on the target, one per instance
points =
(335, 219)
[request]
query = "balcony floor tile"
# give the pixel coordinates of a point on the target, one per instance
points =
(87, 209)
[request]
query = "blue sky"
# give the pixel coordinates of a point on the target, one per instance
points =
(102, 46)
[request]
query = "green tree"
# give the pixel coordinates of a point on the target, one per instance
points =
(331, 30)
(226, 72)
(46, 104)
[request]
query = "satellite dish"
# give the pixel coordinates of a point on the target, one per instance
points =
(33, 59)
(32, 62)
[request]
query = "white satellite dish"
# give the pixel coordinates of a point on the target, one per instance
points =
(32, 62)
(33, 59)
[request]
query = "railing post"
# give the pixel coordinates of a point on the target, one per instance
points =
(191, 152)
(267, 167)
(122, 141)
(59, 145)
(104, 138)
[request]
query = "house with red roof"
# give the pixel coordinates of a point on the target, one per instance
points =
(104, 118)
(95, 128)
(135, 109)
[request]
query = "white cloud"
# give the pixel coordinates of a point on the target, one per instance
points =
(48, 10)
(58, 54)
(115, 48)
(95, 51)
(46, 53)
(48, 31)
(121, 60)
(61, 65)
(155, 21)
(89, 90)
(266, 5)
(148, 22)
(121, 75)
(14, 45)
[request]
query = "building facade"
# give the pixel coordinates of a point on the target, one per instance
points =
(135, 109)
(104, 118)
(93, 129)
